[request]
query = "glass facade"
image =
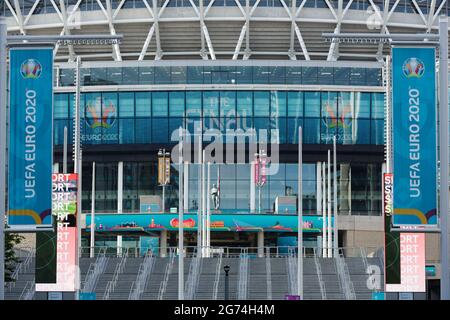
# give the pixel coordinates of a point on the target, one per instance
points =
(151, 117)
(231, 75)
(359, 186)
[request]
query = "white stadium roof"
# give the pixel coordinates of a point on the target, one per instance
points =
(222, 29)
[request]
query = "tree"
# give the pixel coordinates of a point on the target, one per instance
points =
(11, 239)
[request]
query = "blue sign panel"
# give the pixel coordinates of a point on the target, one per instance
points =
(88, 296)
(414, 136)
(31, 146)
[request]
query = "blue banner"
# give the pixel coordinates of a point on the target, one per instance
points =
(31, 145)
(414, 136)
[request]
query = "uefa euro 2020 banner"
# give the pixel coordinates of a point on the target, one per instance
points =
(414, 136)
(31, 145)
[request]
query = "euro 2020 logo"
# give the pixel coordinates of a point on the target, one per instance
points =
(100, 114)
(332, 121)
(31, 69)
(413, 68)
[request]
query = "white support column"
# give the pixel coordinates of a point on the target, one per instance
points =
(204, 195)
(163, 243)
(92, 243)
(329, 239)
(208, 211)
(260, 241)
(186, 186)
(119, 200)
(324, 214)
(252, 187)
(56, 167)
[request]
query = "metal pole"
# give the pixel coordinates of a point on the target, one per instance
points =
(3, 93)
(208, 212)
(78, 167)
(199, 213)
(226, 284)
(335, 231)
(443, 139)
(204, 195)
(300, 216)
(180, 219)
(92, 245)
(65, 151)
(164, 197)
(324, 214)
(329, 206)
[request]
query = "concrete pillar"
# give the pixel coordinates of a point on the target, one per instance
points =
(260, 241)
(163, 243)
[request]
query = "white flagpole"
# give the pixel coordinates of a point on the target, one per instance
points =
(324, 215)
(208, 211)
(300, 217)
(335, 214)
(92, 245)
(180, 219)
(329, 206)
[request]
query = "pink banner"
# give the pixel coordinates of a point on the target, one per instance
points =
(257, 172)
(263, 171)
(412, 264)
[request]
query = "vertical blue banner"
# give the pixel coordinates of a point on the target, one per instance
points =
(30, 145)
(414, 136)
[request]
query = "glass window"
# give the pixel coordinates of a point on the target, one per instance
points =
(193, 103)
(293, 75)
(66, 77)
(261, 74)
(358, 76)
(160, 130)
(242, 194)
(278, 104)
(278, 128)
(211, 103)
(341, 76)
(143, 130)
(309, 75)
(373, 77)
(174, 125)
(207, 71)
(126, 131)
(98, 76)
(58, 131)
(176, 103)
(244, 103)
(311, 132)
(262, 125)
(178, 75)
(293, 125)
(194, 75)
(377, 132)
(362, 130)
(146, 75)
(362, 105)
(143, 104)
(377, 106)
(244, 75)
(312, 104)
(295, 104)
(277, 75)
(325, 75)
(162, 75)
(114, 76)
(160, 104)
(227, 103)
(346, 109)
(61, 106)
(130, 75)
(126, 104)
(262, 103)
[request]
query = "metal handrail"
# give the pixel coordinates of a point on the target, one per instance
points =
(243, 275)
(145, 270)
(268, 275)
(111, 286)
(216, 281)
(163, 285)
(28, 291)
(20, 268)
(95, 270)
(323, 291)
(344, 277)
(193, 277)
(292, 275)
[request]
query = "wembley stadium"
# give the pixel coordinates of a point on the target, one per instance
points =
(213, 66)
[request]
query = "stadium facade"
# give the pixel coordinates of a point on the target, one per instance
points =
(228, 65)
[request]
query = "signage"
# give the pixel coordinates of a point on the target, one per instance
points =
(88, 296)
(64, 209)
(30, 132)
(412, 261)
(391, 238)
(414, 136)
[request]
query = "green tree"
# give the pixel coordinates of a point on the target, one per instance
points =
(11, 239)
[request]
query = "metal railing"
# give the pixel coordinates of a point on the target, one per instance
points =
(111, 286)
(145, 269)
(193, 278)
(243, 275)
(323, 291)
(94, 271)
(268, 275)
(21, 267)
(292, 274)
(217, 279)
(28, 291)
(163, 285)
(344, 277)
